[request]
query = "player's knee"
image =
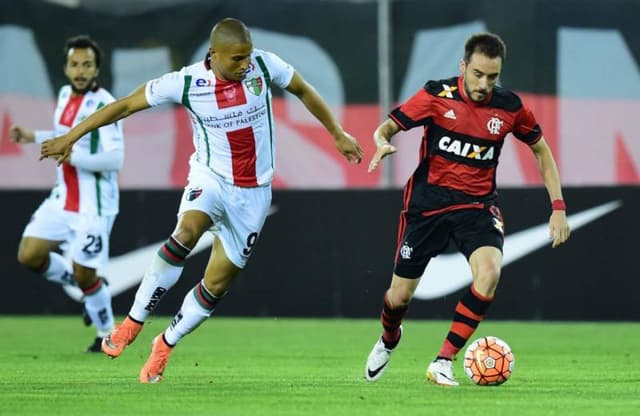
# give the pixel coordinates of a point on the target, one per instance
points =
(487, 279)
(187, 236)
(400, 297)
(31, 259)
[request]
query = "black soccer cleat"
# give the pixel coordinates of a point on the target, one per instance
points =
(96, 346)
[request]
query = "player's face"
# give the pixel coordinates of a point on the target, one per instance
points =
(480, 75)
(231, 61)
(81, 69)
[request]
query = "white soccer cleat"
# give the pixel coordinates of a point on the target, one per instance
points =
(440, 371)
(378, 360)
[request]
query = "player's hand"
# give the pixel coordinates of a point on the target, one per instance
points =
(558, 228)
(381, 152)
(349, 147)
(18, 134)
(58, 148)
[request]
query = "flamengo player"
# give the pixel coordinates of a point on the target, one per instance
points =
(228, 98)
(80, 211)
(452, 193)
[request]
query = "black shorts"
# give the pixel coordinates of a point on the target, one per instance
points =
(422, 237)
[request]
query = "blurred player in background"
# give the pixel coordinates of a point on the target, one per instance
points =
(452, 193)
(79, 213)
(228, 96)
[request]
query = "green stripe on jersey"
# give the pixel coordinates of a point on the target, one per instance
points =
(187, 103)
(267, 79)
(93, 148)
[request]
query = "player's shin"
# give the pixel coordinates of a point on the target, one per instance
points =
(163, 272)
(469, 312)
(198, 305)
(391, 319)
(97, 302)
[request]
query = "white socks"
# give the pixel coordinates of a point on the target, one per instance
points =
(197, 306)
(163, 272)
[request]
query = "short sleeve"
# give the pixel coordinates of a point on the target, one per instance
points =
(526, 128)
(280, 71)
(416, 111)
(166, 89)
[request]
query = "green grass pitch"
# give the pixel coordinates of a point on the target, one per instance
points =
(268, 366)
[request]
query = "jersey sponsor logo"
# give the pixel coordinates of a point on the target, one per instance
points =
(447, 91)
(201, 82)
(494, 125)
(465, 149)
(450, 114)
(254, 85)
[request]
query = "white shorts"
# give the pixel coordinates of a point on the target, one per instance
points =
(237, 213)
(85, 238)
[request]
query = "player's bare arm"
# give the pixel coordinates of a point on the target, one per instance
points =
(345, 143)
(558, 226)
(19, 134)
(60, 147)
(382, 138)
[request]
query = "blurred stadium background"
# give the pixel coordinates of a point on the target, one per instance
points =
(327, 249)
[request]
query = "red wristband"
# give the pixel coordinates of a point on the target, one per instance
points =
(558, 205)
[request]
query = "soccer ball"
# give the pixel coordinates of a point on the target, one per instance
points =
(488, 361)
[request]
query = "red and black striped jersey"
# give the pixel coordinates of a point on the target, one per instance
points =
(461, 143)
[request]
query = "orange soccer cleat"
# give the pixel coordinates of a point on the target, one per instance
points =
(114, 343)
(157, 361)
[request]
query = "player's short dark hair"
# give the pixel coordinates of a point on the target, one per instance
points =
(83, 42)
(488, 44)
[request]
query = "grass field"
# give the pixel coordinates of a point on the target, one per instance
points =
(314, 367)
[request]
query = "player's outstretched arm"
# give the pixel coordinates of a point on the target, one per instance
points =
(558, 225)
(345, 143)
(382, 138)
(59, 148)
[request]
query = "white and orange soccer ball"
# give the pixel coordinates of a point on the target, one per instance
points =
(489, 361)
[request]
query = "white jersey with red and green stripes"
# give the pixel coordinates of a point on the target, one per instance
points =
(232, 121)
(79, 190)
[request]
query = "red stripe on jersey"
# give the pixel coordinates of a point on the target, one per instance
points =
(229, 94)
(70, 176)
(71, 110)
(471, 180)
(243, 156)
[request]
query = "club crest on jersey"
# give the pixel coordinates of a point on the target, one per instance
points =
(465, 149)
(405, 251)
(494, 125)
(193, 193)
(254, 85)
(447, 91)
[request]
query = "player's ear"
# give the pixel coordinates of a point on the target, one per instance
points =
(462, 66)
